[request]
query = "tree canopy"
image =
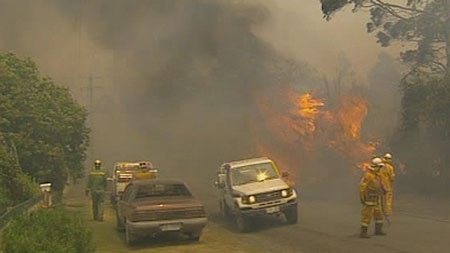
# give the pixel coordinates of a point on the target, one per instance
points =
(423, 25)
(42, 122)
(423, 29)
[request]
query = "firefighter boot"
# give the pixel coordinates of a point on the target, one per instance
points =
(379, 229)
(363, 233)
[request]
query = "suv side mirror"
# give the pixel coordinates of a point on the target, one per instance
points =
(285, 174)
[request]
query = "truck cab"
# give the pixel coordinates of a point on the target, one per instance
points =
(254, 187)
(122, 174)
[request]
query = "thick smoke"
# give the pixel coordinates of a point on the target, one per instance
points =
(175, 82)
(187, 73)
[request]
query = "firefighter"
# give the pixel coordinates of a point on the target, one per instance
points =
(370, 192)
(387, 174)
(145, 171)
(96, 186)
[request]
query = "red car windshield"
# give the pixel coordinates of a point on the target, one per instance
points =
(162, 190)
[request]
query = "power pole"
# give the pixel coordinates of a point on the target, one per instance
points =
(92, 111)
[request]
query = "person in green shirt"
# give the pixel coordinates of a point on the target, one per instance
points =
(96, 186)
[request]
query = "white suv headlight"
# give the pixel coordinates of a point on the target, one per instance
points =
(248, 199)
(286, 193)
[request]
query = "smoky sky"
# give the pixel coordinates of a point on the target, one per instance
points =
(178, 82)
(186, 72)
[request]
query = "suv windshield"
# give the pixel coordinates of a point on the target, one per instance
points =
(252, 173)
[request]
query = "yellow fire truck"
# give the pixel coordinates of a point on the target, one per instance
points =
(123, 173)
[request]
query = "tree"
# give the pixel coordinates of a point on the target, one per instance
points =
(15, 186)
(43, 121)
(384, 97)
(424, 25)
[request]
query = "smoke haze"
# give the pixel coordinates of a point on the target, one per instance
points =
(175, 81)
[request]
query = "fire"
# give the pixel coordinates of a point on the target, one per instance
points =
(294, 120)
(305, 125)
(308, 109)
(308, 106)
(351, 114)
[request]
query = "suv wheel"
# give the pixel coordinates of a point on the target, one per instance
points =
(242, 223)
(291, 215)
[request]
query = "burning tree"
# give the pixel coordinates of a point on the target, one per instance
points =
(313, 138)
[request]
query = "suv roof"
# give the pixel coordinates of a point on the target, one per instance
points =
(250, 161)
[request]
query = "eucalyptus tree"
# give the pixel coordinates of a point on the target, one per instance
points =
(42, 121)
(423, 29)
(424, 25)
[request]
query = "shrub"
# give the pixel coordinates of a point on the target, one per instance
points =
(48, 230)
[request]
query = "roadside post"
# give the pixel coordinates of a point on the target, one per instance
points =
(46, 190)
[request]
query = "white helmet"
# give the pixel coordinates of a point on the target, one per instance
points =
(388, 156)
(376, 163)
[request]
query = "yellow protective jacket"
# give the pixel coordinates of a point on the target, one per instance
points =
(370, 188)
(96, 181)
(387, 175)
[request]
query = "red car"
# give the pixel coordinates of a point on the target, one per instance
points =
(155, 206)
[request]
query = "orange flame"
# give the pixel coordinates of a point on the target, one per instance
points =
(308, 109)
(352, 113)
(300, 128)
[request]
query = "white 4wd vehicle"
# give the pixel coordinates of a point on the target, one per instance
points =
(254, 187)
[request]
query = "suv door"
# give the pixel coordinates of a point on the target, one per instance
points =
(227, 196)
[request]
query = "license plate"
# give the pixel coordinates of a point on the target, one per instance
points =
(170, 227)
(273, 209)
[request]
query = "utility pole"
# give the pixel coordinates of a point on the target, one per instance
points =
(91, 87)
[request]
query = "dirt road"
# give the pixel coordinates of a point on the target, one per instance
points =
(419, 225)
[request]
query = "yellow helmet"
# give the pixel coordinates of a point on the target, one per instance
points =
(97, 163)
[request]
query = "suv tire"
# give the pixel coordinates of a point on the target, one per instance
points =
(291, 215)
(242, 223)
